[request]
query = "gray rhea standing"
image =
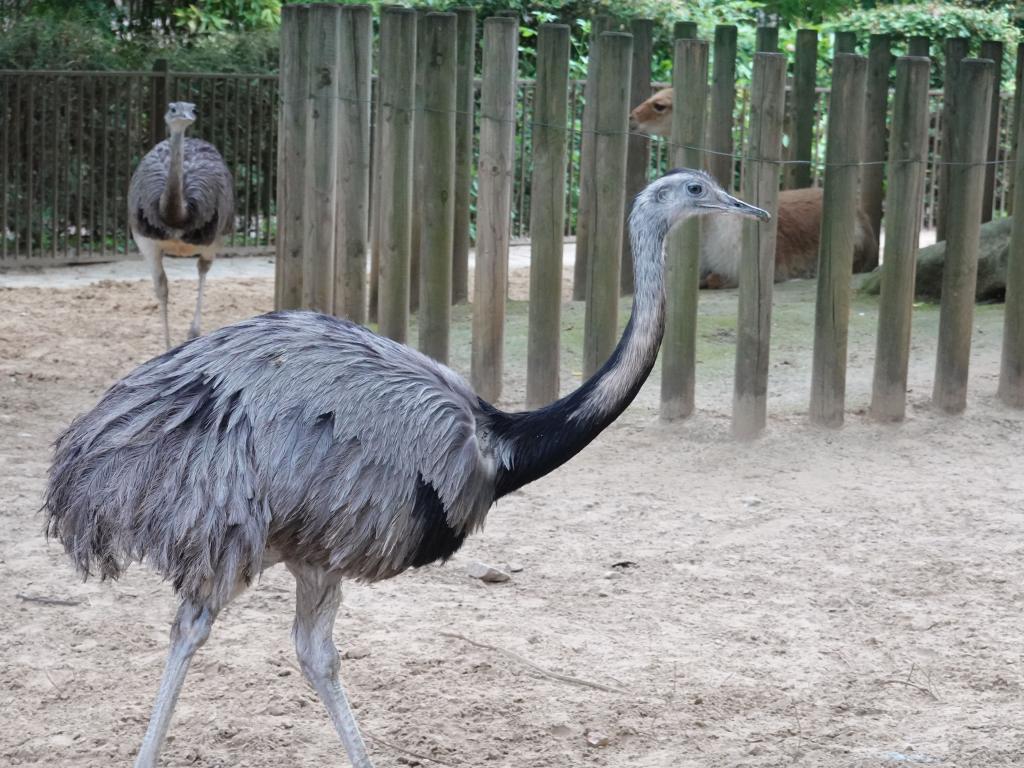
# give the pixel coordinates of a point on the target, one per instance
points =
(299, 438)
(181, 202)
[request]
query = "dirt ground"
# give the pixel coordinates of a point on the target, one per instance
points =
(815, 598)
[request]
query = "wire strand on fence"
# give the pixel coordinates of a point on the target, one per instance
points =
(819, 164)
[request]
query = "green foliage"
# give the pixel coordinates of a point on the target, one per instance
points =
(935, 20)
(234, 15)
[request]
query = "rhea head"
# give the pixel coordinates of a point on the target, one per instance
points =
(180, 115)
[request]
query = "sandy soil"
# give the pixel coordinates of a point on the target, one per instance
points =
(816, 598)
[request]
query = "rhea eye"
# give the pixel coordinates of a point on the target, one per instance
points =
(659, 107)
(695, 189)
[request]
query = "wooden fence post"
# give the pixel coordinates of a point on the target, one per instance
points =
(767, 40)
(963, 228)
(417, 166)
(757, 263)
(908, 158)
(872, 176)
(956, 51)
(494, 203)
(844, 42)
(438, 202)
(158, 101)
(291, 157)
(1018, 98)
(798, 174)
(638, 154)
(684, 30)
(351, 235)
(397, 85)
(1011, 371)
(835, 251)
(720, 162)
(547, 214)
(465, 69)
(919, 45)
(992, 50)
(682, 250)
(601, 317)
(320, 199)
(588, 167)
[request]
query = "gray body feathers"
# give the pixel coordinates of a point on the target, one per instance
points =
(207, 188)
(296, 434)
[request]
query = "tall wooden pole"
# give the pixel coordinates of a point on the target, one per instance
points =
(494, 203)
(719, 161)
(291, 157)
(601, 318)
(872, 177)
(547, 214)
(835, 251)
(682, 250)
(397, 102)
(805, 66)
(638, 159)
(1011, 372)
(320, 199)
(588, 163)
(963, 230)
(757, 263)
(438, 184)
(351, 234)
(992, 50)
(955, 51)
(908, 158)
(464, 101)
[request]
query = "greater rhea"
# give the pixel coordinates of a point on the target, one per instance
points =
(181, 202)
(304, 439)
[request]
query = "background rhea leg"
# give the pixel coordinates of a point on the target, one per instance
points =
(317, 597)
(203, 266)
(155, 259)
(189, 631)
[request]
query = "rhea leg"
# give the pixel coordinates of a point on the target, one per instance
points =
(155, 259)
(203, 266)
(188, 633)
(317, 597)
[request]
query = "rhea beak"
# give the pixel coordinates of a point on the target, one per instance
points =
(729, 204)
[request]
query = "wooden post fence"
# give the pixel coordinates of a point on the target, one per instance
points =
(418, 173)
(719, 161)
(966, 175)
(547, 214)
(682, 251)
(798, 174)
(638, 154)
(1011, 371)
(601, 317)
(494, 203)
(835, 250)
(956, 51)
(919, 45)
(397, 104)
(767, 39)
(908, 158)
(757, 262)
(158, 101)
(588, 169)
(872, 176)
(992, 50)
(291, 157)
(466, 68)
(321, 175)
(438, 203)
(844, 42)
(351, 234)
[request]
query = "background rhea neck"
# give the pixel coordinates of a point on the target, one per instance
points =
(173, 209)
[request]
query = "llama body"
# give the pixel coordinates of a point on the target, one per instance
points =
(799, 220)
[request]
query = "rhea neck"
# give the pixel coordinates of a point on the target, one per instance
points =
(173, 209)
(532, 443)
